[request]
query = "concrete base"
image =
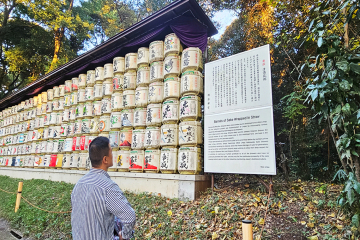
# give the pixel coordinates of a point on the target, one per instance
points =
(184, 187)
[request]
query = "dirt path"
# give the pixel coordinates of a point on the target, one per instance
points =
(5, 231)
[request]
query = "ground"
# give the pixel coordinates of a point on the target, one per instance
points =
(297, 210)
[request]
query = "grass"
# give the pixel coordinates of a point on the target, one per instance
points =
(297, 212)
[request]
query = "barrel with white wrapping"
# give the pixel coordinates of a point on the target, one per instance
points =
(129, 80)
(90, 78)
(141, 96)
(99, 74)
(61, 91)
(172, 45)
(127, 118)
(119, 65)
(82, 81)
(107, 88)
(106, 105)
(171, 88)
(74, 99)
(137, 160)
(123, 161)
(88, 109)
(98, 91)
(169, 135)
(170, 111)
(138, 139)
(94, 125)
(97, 108)
(79, 111)
(129, 99)
(85, 125)
(56, 92)
(67, 100)
(152, 161)
(125, 139)
(130, 61)
(108, 71)
(117, 101)
(172, 66)
(43, 97)
(156, 51)
(153, 114)
(68, 86)
(115, 120)
(191, 83)
(139, 117)
(143, 57)
(191, 59)
(190, 160)
(89, 93)
(190, 133)
(118, 82)
(152, 137)
(75, 84)
(104, 123)
(81, 97)
(50, 94)
(114, 139)
(143, 76)
(156, 92)
(156, 71)
(190, 108)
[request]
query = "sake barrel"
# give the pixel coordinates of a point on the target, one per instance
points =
(136, 160)
(119, 65)
(190, 133)
(123, 161)
(115, 120)
(61, 145)
(88, 109)
(89, 93)
(143, 57)
(70, 129)
(107, 88)
(98, 91)
(61, 104)
(156, 72)
(117, 101)
(44, 97)
(53, 158)
(118, 82)
(85, 125)
(172, 45)
(172, 66)
(83, 138)
(189, 160)
(138, 139)
(141, 96)
(191, 83)
(74, 160)
(31, 101)
(156, 50)
(153, 115)
(67, 100)
(59, 160)
(68, 144)
(143, 76)
(72, 113)
(106, 105)
(75, 143)
(108, 71)
(75, 84)
(55, 104)
(62, 90)
(89, 140)
(156, 92)
(55, 145)
(90, 78)
(81, 97)
(83, 156)
(129, 80)
(43, 147)
(66, 115)
(169, 135)
(43, 108)
(104, 123)
(127, 118)
(82, 81)
(46, 162)
(50, 94)
(77, 127)
(26, 107)
(79, 112)
(57, 131)
(68, 88)
(130, 61)
(97, 108)
(125, 139)
(191, 59)
(114, 138)
(99, 74)
(171, 88)
(139, 117)
(52, 120)
(74, 98)
(152, 137)
(129, 99)
(152, 161)
(66, 160)
(56, 90)
(94, 125)
(190, 108)
(63, 131)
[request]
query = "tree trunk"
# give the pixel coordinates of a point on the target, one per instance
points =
(59, 34)
(346, 31)
(357, 167)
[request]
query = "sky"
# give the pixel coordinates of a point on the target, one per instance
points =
(225, 18)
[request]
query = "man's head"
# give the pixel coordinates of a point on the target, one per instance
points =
(100, 153)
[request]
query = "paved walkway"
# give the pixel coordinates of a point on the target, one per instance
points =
(5, 231)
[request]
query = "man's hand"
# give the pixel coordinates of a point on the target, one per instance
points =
(120, 237)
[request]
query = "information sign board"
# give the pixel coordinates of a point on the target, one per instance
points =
(239, 125)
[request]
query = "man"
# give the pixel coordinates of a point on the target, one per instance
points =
(97, 201)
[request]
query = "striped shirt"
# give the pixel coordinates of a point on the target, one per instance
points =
(96, 200)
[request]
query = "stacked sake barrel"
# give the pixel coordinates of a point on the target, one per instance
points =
(147, 103)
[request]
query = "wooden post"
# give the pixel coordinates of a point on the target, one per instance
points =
(212, 182)
(247, 230)
(18, 196)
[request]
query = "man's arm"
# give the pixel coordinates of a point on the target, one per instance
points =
(117, 204)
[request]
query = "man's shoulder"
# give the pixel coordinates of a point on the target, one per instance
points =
(98, 180)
